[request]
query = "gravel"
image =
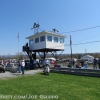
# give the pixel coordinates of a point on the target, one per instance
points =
(12, 75)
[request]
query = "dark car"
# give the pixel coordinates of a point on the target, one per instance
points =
(2, 68)
(27, 64)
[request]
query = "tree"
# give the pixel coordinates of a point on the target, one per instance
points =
(19, 56)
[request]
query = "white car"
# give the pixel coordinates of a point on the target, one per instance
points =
(90, 62)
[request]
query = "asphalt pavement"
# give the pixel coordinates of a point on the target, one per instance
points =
(8, 74)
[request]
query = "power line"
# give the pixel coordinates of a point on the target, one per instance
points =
(82, 43)
(77, 44)
(82, 29)
(87, 42)
(88, 38)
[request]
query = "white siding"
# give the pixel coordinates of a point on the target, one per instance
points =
(53, 44)
(38, 45)
(46, 44)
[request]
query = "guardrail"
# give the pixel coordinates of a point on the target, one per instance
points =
(77, 71)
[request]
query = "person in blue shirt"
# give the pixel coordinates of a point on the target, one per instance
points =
(19, 66)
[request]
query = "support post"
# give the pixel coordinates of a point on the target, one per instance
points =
(44, 56)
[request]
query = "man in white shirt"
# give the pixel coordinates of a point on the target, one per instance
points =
(23, 66)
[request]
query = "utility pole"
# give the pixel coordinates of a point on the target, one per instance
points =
(71, 47)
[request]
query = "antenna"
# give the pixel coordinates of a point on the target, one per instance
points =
(54, 30)
(35, 27)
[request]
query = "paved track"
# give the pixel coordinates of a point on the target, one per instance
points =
(11, 75)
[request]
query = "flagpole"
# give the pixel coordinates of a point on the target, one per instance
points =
(71, 47)
(18, 44)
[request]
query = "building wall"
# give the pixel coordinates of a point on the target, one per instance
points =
(53, 44)
(39, 45)
(46, 44)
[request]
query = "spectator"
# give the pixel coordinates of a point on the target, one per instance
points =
(82, 62)
(73, 62)
(48, 62)
(85, 66)
(78, 65)
(55, 64)
(19, 66)
(22, 66)
(34, 63)
(95, 64)
(44, 62)
(99, 63)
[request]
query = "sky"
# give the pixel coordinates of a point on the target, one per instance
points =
(18, 16)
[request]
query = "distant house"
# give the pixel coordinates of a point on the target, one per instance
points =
(87, 57)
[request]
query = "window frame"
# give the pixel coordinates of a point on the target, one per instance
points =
(42, 38)
(31, 41)
(55, 39)
(36, 40)
(49, 39)
(61, 40)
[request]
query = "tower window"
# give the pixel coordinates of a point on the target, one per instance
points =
(61, 40)
(37, 40)
(49, 38)
(55, 39)
(42, 38)
(31, 41)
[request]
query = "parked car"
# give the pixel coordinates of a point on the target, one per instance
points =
(27, 64)
(10, 65)
(2, 69)
(90, 62)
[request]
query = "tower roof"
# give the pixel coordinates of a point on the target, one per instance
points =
(45, 32)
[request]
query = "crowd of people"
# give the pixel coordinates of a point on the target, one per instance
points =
(21, 66)
(71, 64)
(84, 64)
(77, 64)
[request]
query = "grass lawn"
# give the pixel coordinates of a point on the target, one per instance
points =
(53, 87)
